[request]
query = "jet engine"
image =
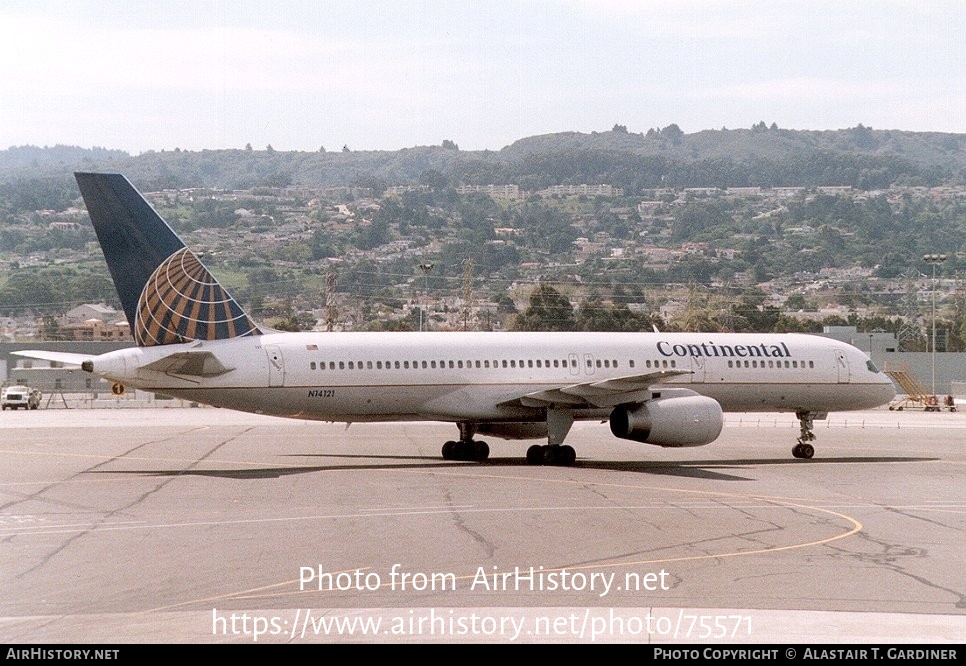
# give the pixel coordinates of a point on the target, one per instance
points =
(671, 421)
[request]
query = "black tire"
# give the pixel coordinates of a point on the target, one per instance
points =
(481, 451)
(449, 450)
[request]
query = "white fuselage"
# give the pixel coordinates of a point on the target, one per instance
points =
(481, 377)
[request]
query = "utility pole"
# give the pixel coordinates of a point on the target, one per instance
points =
(467, 291)
(935, 260)
(330, 307)
(425, 267)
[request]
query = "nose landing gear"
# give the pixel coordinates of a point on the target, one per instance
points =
(803, 449)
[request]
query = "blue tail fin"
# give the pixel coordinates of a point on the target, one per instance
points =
(168, 295)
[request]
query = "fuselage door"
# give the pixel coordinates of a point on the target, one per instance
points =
(276, 365)
(574, 364)
(842, 367)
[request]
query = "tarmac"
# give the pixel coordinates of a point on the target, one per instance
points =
(200, 525)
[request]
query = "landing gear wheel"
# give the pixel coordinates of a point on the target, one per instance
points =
(561, 456)
(449, 450)
(804, 451)
(471, 450)
(481, 451)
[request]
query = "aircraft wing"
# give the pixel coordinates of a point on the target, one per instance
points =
(66, 358)
(606, 393)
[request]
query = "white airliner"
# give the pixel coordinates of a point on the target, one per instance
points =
(668, 389)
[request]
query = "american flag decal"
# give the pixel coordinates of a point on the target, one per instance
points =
(182, 301)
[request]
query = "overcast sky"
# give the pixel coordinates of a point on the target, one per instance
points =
(386, 75)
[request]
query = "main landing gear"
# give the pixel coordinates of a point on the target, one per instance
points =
(466, 448)
(554, 452)
(803, 449)
(562, 455)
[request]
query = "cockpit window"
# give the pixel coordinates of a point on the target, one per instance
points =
(871, 366)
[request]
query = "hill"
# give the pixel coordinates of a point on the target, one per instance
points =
(761, 156)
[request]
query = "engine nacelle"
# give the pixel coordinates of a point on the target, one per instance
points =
(674, 421)
(513, 430)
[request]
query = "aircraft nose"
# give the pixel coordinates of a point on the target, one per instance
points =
(887, 391)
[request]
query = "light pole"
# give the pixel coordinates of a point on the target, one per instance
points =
(935, 260)
(426, 267)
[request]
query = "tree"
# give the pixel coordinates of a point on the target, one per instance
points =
(672, 133)
(434, 179)
(549, 310)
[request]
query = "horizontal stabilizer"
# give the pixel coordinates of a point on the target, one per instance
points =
(57, 357)
(196, 363)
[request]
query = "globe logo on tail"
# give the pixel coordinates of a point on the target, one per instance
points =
(182, 302)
